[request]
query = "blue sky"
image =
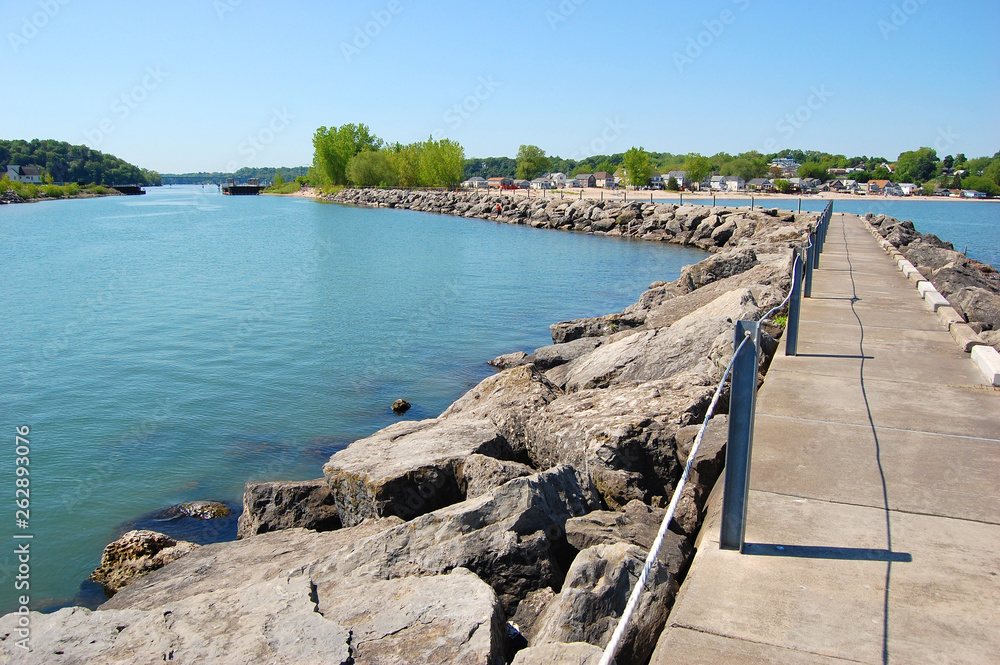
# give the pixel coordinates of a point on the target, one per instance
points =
(215, 84)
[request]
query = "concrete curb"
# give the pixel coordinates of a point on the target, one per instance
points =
(987, 358)
(988, 361)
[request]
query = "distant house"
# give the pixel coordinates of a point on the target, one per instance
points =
(789, 167)
(892, 189)
(940, 191)
(760, 185)
(656, 180)
(586, 179)
(573, 183)
(727, 183)
(498, 182)
(558, 179)
(541, 183)
(679, 176)
(876, 186)
(31, 174)
(604, 179)
(908, 188)
(972, 194)
(844, 185)
(522, 184)
(475, 182)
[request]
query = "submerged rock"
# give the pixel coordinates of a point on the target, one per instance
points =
(135, 554)
(400, 406)
(204, 510)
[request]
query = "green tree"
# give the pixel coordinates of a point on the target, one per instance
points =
(442, 162)
(814, 170)
(371, 168)
(637, 166)
(605, 166)
(334, 147)
(672, 184)
(917, 165)
(956, 182)
(980, 184)
(531, 162)
(277, 180)
(948, 162)
(697, 167)
(783, 186)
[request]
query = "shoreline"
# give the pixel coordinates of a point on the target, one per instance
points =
(659, 196)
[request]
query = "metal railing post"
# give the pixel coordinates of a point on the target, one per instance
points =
(808, 266)
(794, 305)
(742, 405)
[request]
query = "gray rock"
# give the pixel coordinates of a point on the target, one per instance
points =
(953, 277)
(271, 506)
(481, 474)
(557, 653)
(978, 305)
(204, 510)
(525, 619)
(636, 525)
(717, 267)
(622, 436)
(548, 357)
(601, 326)
(407, 469)
(929, 257)
(411, 468)
(135, 554)
(514, 537)
(593, 598)
(275, 598)
(509, 360)
(686, 346)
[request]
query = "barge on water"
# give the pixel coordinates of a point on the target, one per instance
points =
(250, 188)
(129, 190)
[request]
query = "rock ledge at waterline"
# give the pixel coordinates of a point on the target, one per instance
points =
(518, 517)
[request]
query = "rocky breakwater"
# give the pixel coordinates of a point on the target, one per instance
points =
(971, 288)
(512, 527)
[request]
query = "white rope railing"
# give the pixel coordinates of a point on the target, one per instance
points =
(654, 551)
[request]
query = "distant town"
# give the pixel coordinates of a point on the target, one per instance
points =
(785, 180)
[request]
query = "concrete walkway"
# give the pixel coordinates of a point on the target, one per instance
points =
(874, 517)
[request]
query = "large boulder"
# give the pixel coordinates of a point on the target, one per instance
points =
(558, 653)
(514, 538)
(135, 554)
(636, 525)
(547, 357)
(412, 468)
(622, 436)
(700, 342)
(601, 326)
(979, 306)
(271, 506)
(407, 469)
(716, 267)
(593, 598)
(481, 474)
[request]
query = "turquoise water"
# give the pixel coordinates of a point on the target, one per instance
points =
(170, 347)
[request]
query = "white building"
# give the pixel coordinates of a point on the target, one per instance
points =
(558, 180)
(31, 174)
(475, 182)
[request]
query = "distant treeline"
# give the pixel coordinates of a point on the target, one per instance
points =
(267, 173)
(63, 162)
